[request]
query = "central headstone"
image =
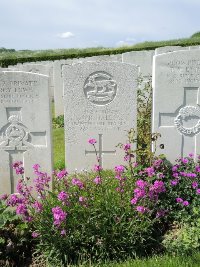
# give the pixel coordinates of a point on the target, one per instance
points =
(100, 100)
(25, 130)
(176, 103)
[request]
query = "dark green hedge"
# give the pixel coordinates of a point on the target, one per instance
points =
(5, 62)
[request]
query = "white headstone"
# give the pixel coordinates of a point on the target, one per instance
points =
(25, 122)
(167, 49)
(58, 81)
(42, 69)
(100, 101)
(176, 103)
(143, 59)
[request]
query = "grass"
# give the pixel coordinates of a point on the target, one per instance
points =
(155, 261)
(59, 148)
(161, 261)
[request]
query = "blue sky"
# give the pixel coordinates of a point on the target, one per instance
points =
(52, 24)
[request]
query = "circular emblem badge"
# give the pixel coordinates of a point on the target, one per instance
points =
(184, 114)
(100, 88)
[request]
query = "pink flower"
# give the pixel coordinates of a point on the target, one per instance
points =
(38, 206)
(150, 171)
(82, 199)
(141, 209)
(134, 201)
(179, 200)
(63, 196)
(63, 232)
(173, 182)
(139, 193)
(160, 213)
(197, 168)
(62, 174)
(184, 160)
(21, 209)
(59, 215)
(127, 147)
(3, 197)
(185, 203)
(13, 200)
(194, 185)
(119, 168)
(97, 180)
(97, 168)
(77, 182)
(127, 157)
(92, 141)
(174, 168)
(141, 184)
(18, 168)
(35, 234)
(198, 191)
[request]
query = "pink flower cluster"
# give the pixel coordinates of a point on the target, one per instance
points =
(181, 201)
(92, 141)
(60, 175)
(59, 216)
(42, 181)
(17, 166)
(145, 190)
(78, 183)
(97, 180)
(119, 175)
(63, 196)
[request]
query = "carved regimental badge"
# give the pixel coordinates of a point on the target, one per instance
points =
(185, 113)
(100, 88)
(14, 135)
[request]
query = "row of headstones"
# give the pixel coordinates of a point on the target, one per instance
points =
(100, 100)
(53, 69)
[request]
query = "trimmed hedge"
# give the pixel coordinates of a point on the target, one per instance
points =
(15, 57)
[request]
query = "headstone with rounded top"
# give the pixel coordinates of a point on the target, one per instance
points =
(100, 102)
(176, 103)
(25, 125)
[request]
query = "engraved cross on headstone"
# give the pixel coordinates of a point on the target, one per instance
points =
(186, 119)
(16, 139)
(100, 152)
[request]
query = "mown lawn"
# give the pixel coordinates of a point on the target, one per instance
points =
(162, 261)
(58, 148)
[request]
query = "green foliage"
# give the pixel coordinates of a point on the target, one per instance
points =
(183, 238)
(15, 238)
(196, 35)
(104, 227)
(58, 122)
(5, 50)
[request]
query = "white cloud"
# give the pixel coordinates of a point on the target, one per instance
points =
(66, 35)
(128, 41)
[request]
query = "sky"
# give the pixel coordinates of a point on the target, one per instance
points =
(58, 24)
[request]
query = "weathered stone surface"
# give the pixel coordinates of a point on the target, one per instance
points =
(167, 49)
(143, 59)
(46, 69)
(176, 98)
(25, 125)
(58, 81)
(100, 102)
